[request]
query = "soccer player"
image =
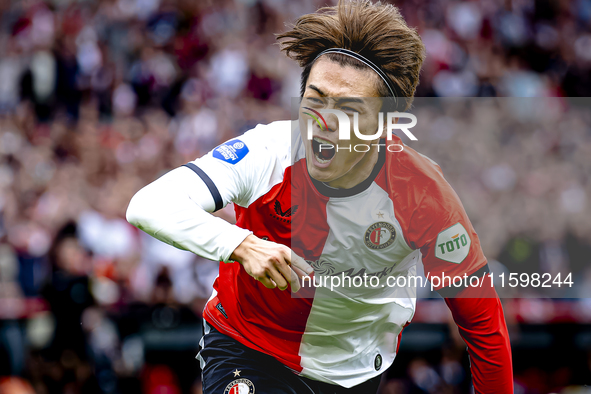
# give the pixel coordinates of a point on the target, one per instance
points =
(367, 213)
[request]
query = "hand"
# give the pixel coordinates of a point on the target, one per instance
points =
(272, 264)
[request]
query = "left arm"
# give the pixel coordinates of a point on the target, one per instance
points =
(479, 316)
(450, 248)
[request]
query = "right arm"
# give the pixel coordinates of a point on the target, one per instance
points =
(177, 207)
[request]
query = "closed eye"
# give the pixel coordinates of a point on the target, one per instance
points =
(314, 100)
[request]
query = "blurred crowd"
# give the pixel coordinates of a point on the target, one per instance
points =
(522, 168)
(98, 98)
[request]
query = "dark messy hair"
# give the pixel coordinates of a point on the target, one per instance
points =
(376, 31)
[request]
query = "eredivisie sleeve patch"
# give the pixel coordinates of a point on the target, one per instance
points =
(231, 152)
(453, 244)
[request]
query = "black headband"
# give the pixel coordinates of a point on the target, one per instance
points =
(363, 60)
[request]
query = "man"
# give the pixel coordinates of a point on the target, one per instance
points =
(377, 212)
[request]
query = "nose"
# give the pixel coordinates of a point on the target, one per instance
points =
(332, 121)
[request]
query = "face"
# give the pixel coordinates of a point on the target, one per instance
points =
(332, 86)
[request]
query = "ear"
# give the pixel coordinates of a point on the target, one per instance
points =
(385, 126)
(384, 131)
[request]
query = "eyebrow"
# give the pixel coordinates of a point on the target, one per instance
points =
(339, 100)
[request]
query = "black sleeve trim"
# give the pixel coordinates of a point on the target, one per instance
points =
(215, 193)
(450, 292)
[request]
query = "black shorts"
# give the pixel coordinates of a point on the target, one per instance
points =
(232, 368)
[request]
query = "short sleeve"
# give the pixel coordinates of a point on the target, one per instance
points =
(245, 168)
(440, 228)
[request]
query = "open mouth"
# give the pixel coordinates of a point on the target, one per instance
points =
(324, 150)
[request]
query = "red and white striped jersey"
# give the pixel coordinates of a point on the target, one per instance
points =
(404, 213)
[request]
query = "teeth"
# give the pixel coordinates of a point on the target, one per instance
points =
(324, 145)
(323, 141)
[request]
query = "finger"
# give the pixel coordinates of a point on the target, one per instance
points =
(279, 280)
(267, 282)
(295, 283)
(284, 270)
(298, 262)
(299, 272)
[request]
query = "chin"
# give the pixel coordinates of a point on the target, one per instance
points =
(319, 174)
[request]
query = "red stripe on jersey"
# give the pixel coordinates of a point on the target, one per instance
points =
(399, 338)
(271, 321)
(425, 204)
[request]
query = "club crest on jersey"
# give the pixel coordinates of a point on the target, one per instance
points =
(453, 244)
(240, 386)
(231, 152)
(380, 235)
